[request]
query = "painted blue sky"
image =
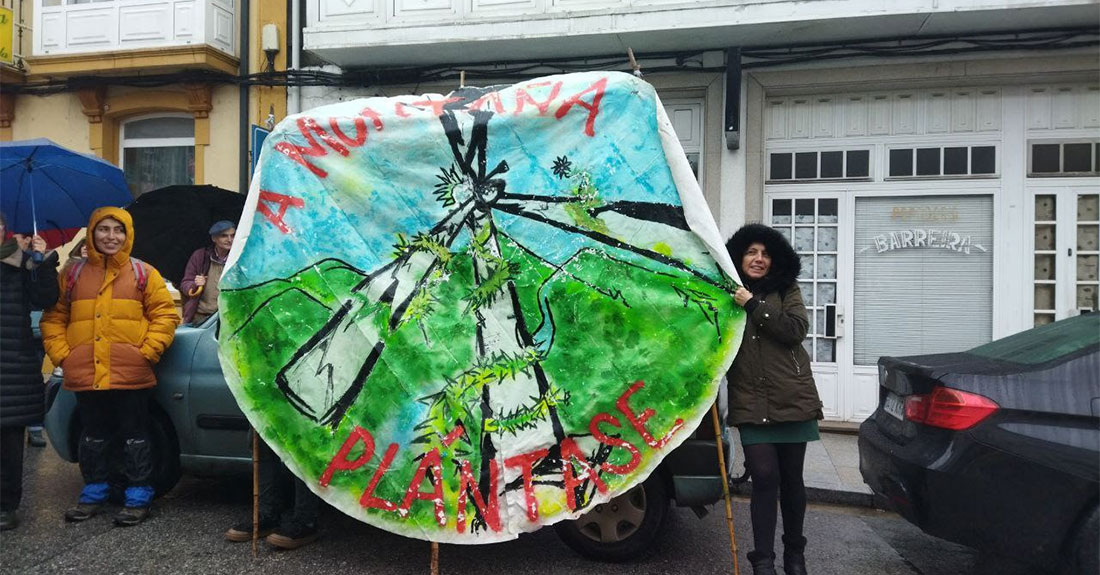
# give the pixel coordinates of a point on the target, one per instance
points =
(385, 186)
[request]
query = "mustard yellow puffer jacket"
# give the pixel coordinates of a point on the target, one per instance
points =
(111, 332)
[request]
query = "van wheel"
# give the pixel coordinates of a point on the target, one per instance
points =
(621, 529)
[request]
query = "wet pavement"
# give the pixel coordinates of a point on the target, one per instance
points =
(185, 535)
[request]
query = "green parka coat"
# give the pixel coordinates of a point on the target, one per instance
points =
(770, 380)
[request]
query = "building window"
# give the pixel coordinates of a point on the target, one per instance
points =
(158, 152)
(1065, 158)
(686, 116)
(814, 166)
(812, 227)
(948, 161)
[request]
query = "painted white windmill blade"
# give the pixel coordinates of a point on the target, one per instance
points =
(327, 368)
(327, 373)
(638, 233)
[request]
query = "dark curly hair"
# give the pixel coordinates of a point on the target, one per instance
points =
(786, 264)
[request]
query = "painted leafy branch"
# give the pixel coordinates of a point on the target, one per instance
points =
(458, 402)
(449, 180)
(424, 242)
(527, 416)
(500, 272)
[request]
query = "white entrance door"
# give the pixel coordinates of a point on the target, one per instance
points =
(1066, 247)
(815, 224)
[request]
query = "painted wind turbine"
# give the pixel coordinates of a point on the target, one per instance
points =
(499, 432)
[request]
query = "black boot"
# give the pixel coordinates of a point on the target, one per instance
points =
(794, 555)
(762, 563)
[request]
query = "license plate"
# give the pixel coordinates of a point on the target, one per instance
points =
(895, 405)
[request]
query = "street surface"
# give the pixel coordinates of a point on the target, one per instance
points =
(184, 535)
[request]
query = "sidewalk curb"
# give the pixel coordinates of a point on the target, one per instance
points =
(825, 495)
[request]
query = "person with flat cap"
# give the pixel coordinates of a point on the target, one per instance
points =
(203, 273)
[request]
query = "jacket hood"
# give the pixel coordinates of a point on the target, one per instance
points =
(786, 264)
(123, 255)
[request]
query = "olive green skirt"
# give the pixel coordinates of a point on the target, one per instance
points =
(784, 432)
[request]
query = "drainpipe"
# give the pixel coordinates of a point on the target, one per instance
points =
(294, 93)
(245, 42)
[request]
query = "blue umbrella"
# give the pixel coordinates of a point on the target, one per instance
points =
(43, 184)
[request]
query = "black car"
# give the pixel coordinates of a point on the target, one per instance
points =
(998, 447)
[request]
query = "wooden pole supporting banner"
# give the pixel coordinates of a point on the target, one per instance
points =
(435, 558)
(255, 492)
(633, 62)
(725, 485)
(462, 78)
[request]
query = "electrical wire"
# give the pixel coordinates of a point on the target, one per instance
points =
(689, 61)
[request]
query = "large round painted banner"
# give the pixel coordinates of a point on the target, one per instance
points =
(462, 317)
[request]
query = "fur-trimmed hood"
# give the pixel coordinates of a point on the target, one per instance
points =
(786, 264)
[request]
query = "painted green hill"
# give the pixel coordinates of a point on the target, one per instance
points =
(613, 323)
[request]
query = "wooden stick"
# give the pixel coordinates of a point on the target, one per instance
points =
(462, 78)
(435, 558)
(255, 493)
(633, 62)
(725, 485)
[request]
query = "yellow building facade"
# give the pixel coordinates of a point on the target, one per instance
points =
(120, 103)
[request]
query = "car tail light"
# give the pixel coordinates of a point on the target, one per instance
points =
(949, 408)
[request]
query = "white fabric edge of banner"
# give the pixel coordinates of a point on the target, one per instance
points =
(696, 210)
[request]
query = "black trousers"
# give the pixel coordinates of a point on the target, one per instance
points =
(115, 419)
(11, 467)
(280, 489)
(776, 472)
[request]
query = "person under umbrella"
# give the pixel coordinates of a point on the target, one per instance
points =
(203, 274)
(26, 283)
(171, 223)
(50, 191)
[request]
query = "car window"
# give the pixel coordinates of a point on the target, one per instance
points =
(1046, 343)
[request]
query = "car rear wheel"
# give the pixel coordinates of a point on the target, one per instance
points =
(621, 529)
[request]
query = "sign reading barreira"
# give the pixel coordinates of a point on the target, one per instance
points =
(925, 238)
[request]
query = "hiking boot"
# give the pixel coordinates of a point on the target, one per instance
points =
(82, 512)
(293, 534)
(8, 520)
(242, 531)
(130, 516)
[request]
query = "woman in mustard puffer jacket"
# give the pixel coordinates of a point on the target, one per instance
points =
(112, 322)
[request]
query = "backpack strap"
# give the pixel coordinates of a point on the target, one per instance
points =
(141, 275)
(70, 282)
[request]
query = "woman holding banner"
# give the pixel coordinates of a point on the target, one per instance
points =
(772, 397)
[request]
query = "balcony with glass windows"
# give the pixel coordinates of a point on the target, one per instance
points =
(90, 36)
(363, 33)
